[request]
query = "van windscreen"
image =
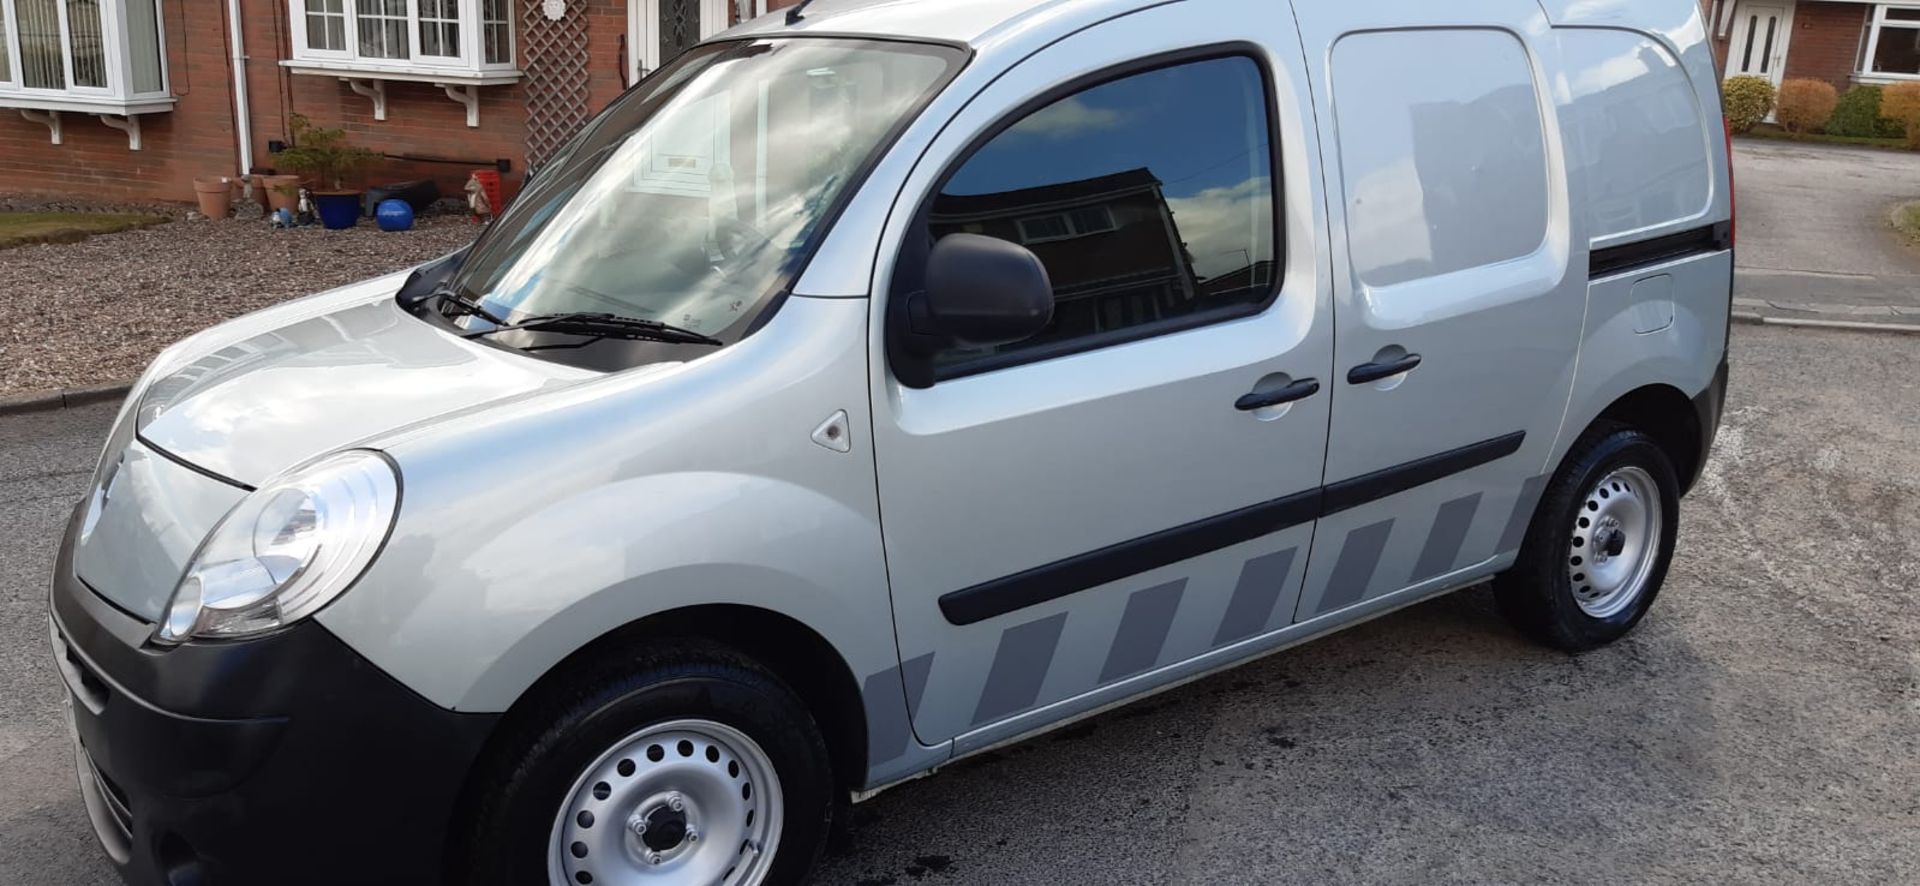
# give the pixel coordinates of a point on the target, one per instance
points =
(695, 197)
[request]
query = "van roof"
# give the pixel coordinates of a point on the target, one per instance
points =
(972, 22)
(976, 22)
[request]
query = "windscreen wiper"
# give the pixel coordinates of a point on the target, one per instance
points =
(600, 325)
(453, 303)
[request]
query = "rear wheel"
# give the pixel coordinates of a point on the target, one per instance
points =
(690, 765)
(1599, 545)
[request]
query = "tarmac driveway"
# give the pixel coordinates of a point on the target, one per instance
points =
(1814, 224)
(1761, 726)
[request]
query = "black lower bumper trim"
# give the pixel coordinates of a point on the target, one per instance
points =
(1708, 406)
(287, 759)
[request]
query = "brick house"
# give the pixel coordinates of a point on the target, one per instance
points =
(1844, 42)
(132, 99)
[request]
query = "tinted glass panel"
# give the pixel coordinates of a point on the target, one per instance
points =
(1148, 198)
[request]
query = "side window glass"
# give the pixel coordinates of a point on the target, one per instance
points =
(1149, 199)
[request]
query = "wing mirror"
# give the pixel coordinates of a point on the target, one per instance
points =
(980, 291)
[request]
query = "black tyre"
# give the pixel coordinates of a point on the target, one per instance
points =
(687, 764)
(1599, 544)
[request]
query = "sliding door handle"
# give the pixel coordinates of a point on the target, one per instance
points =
(1372, 372)
(1299, 390)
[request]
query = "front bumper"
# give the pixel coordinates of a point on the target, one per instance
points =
(285, 759)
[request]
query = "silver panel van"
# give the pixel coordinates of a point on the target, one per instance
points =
(879, 382)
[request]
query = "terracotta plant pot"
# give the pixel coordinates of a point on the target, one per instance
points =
(215, 194)
(257, 188)
(283, 191)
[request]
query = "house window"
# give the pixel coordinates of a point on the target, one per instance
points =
(327, 25)
(431, 37)
(101, 56)
(497, 32)
(1893, 43)
(1080, 222)
(382, 26)
(440, 28)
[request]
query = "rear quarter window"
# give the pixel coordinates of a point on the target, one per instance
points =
(1638, 140)
(1442, 153)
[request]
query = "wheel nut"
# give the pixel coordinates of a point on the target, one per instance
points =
(638, 825)
(653, 857)
(693, 836)
(676, 802)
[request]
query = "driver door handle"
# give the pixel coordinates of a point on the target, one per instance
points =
(1299, 390)
(1372, 372)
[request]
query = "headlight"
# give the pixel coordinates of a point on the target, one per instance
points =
(286, 550)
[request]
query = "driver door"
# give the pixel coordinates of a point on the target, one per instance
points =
(1082, 516)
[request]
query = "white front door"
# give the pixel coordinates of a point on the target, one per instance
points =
(658, 30)
(1759, 47)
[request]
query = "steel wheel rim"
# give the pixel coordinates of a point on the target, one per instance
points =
(682, 802)
(1615, 542)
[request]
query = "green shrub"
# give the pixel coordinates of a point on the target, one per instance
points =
(1901, 102)
(1748, 100)
(323, 154)
(1858, 116)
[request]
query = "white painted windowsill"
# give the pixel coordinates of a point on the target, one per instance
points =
(365, 70)
(85, 104)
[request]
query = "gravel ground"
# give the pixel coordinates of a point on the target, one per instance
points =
(95, 312)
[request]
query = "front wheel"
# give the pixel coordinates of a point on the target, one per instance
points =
(688, 766)
(1599, 545)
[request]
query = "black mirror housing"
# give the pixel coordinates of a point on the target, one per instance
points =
(984, 291)
(977, 292)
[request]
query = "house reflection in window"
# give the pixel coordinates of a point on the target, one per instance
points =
(1149, 198)
(1112, 246)
(1109, 243)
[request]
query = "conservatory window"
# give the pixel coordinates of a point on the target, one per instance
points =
(397, 36)
(95, 56)
(440, 28)
(327, 25)
(497, 30)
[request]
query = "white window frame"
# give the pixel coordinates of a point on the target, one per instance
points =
(1069, 222)
(480, 48)
(469, 67)
(116, 98)
(1876, 22)
(466, 32)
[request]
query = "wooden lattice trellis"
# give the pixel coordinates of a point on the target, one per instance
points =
(553, 56)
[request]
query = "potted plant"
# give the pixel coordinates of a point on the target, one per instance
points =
(327, 159)
(277, 191)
